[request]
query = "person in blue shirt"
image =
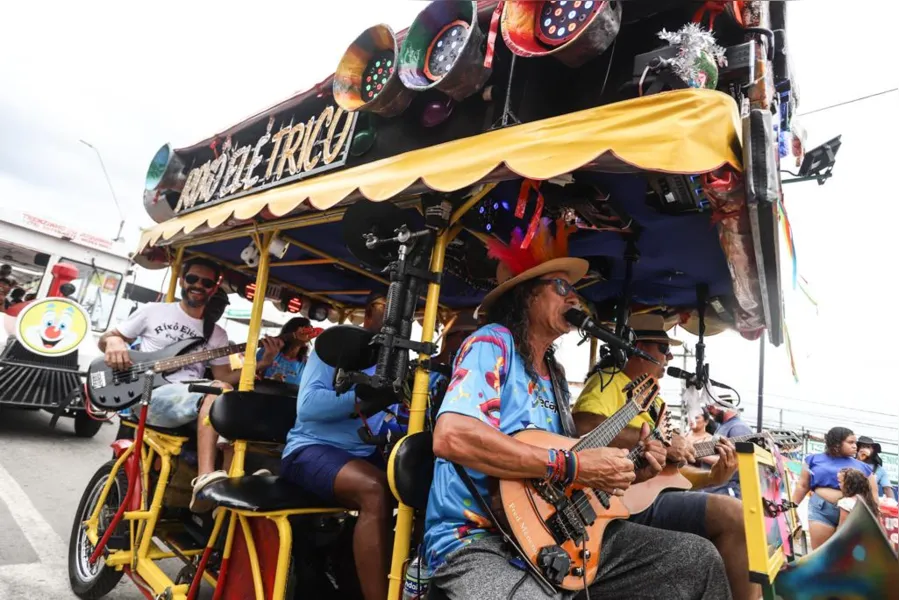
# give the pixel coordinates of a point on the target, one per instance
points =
(730, 425)
(869, 453)
(820, 474)
(326, 456)
(502, 384)
(282, 361)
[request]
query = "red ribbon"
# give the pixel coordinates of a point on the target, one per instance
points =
(214, 147)
(526, 186)
(491, 35)
(713, 8)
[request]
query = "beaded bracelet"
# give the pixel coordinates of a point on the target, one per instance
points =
(551, 465)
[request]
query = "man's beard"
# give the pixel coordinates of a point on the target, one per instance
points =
(191, 302)
(719, 417)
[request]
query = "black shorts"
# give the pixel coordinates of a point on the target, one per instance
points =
(676, 511)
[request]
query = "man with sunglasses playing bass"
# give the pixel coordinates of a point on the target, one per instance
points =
(161, 324)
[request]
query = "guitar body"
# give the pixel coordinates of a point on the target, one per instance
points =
(110, 390)
(640, 496)
(527, 513)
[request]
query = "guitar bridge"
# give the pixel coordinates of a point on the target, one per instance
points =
(572, 517)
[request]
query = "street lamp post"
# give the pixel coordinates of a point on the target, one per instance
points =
(118, 237)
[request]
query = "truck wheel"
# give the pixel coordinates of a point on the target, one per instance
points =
(94, 581)
(85, 427)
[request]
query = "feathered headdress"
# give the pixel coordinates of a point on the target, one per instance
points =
(521, 254)
(524, 259)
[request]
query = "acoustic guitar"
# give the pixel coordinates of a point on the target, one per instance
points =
(640, 496)
(116, 390)
(560, 528)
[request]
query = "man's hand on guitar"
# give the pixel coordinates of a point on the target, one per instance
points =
(726, 466)
(606, 469)
(654, 454)
(116, 354)
(681, 450)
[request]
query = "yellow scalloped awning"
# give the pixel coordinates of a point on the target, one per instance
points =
(683, 131)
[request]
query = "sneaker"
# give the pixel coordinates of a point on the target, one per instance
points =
(262, 473)
(198, 504)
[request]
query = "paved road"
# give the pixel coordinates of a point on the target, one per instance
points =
(43, 473)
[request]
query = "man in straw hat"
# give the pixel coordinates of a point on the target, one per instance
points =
(502, 383)
(716, 518)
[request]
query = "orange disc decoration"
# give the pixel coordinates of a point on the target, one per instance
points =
(445, 49)
(557, 22)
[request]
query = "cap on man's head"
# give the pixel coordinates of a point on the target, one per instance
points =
(651, 328)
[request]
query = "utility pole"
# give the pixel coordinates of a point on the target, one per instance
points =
(761, 393)
(118, 237)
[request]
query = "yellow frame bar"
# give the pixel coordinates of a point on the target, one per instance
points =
(175, 274)
(248, 372)
(761, 566)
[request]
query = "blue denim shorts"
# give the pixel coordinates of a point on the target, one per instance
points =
(314, 468)
(823, 511)
(173, 406)
(676, 511)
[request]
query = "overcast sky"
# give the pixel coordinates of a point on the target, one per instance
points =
(128, 78)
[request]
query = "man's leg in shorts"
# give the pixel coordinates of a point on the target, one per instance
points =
(716, 517)
(642, 563)
(636, 563)
(482, 571)
(359, 484)
(173, 405)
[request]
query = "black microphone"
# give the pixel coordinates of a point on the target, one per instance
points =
(681, 374)
(579, 319)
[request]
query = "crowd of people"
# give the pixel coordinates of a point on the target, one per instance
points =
(504, 378)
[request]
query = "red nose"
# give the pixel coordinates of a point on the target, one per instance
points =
(52, 332)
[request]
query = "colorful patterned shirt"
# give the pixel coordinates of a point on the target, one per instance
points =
(283, 369)
(489, 383)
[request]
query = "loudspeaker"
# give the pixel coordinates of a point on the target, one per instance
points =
(164, 176)
(572, 32)
(444, 50)
(366, 77)
(857, 562)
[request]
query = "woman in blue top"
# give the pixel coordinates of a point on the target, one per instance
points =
(869, 453)
(284, 361)
(820, 474)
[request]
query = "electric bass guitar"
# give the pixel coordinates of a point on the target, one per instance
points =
(116, 390)
(640, 496)
(560, 528)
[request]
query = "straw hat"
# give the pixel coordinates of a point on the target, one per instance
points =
(545, 254)
(651, 328)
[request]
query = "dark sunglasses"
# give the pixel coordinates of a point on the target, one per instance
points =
(207, 283)
(562, 287)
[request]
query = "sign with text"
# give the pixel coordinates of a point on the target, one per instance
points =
(288, 153)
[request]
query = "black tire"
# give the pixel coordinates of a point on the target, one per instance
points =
(85, 427)
(91, 583)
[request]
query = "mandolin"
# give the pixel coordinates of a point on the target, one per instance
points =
(640, 496)
(560, 528)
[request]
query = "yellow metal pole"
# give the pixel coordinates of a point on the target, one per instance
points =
(405, 513)
(248, 373)
(174, 274)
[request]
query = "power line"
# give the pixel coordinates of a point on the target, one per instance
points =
(859, 99)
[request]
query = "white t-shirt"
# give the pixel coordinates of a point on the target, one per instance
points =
(847, 504)
(161, 324)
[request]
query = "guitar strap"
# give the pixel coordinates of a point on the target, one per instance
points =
(561, 395)
(485, 507)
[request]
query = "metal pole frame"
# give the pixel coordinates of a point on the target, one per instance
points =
(248, 372)
(175, 274)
